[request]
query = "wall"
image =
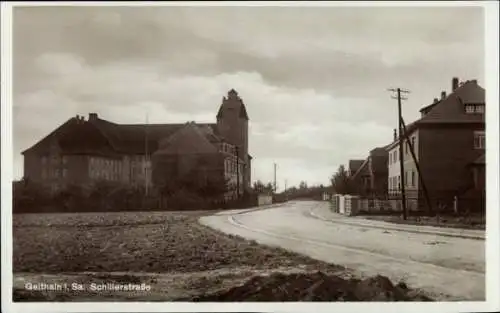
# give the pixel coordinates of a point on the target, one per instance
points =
(408, 163)
(264, 199)
(446, 152)
(104, 168)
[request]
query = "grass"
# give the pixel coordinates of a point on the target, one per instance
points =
(473, 222)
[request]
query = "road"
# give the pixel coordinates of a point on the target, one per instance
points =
(446, 267)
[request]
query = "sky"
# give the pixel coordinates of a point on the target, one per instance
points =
(314, 79)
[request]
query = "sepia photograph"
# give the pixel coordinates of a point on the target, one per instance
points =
(268, 153)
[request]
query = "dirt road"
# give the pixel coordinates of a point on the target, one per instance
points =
(449, 268)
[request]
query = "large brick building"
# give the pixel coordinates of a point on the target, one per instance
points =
(85, 151)
(449, 143)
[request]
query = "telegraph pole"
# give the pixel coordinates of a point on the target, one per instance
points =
(146, 174)
(275, 165)
(401, 142)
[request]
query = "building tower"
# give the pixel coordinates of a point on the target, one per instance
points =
(232, 123)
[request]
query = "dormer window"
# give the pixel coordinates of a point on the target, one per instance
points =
(474, 108)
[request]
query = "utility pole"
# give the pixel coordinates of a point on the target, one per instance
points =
(146, 174)
(275, 165)
(401, 145)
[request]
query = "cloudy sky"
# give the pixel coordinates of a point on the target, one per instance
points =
(313, 79)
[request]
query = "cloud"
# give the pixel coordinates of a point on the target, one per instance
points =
(314, 80)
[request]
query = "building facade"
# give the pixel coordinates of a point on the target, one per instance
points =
(371, 177)
(448, 139)
(82, 152)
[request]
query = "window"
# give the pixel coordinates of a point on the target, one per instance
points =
(479, 140)
(413, 142)
(474, 108)
(64, 173)
(413, 178)
(44, 160)
(65, 160)
(399, 182)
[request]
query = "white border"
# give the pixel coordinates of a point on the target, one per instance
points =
(492, 95)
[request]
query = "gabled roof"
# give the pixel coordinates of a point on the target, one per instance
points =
(190, 139)
(354, 165)
(131, 138)
(451, 110)
(75, 136)
(363, 169)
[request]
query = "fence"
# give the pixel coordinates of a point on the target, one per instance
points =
(470, 203)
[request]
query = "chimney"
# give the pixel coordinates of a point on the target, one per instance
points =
(454, 83)
(443, 95)
(395, 135)
(435, 100)
(474, 81)
(93, 116)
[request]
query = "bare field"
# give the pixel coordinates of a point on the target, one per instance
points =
(172, 253)
(135, 242)
(153, 247)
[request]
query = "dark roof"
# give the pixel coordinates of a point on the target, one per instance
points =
(362, 169)
(131, 138)
(451, 110)
(189, 139)
(354, 165)
(429, 107)
(75, 136)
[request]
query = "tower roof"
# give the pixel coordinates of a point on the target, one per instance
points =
(233, 101)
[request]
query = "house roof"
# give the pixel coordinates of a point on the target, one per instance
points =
(189, 139)
(451, 110)
(131, 138)
(354, 165)
(101, 137)
(363, 168)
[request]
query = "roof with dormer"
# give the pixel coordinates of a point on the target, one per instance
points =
(451, 110)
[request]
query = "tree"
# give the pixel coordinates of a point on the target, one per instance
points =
(303, 185)
(258, 186)
(341, 182)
